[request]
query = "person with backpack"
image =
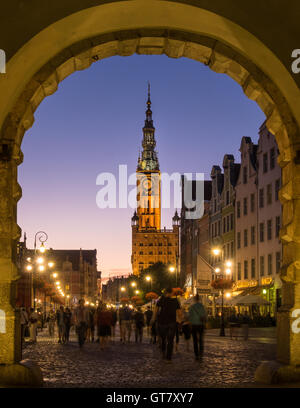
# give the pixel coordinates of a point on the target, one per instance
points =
(166, 311)
(139, 320)
(197, 318)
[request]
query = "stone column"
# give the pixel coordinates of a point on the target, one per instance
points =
(10, 192)
(288, 329)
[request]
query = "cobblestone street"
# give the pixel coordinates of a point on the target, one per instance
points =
(226, 363)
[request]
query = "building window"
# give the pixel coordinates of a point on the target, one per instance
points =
(245, 269)
(269, 194)
(245, 238)
(270, 264)
(141, 253)
(231, 249)
(261, 198)
(278, 262)
(159, 252)
(150, 253)
(238, 240)
(231, 221)
(219, 227)
(277, 226)
(239, 271)
(253, 235)
(238, 209)
(245, 206)
(141, 244)
(228, 226)
(265, 162)
(269, 229)
(245, 175)
(262, 265)
(252, 202)
(277, 188)
(272, 158)
(224, 225)
(253, 268)
(261, 232)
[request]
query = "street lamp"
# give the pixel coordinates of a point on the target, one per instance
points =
(123, 289)
(227, 266)
(37, 263)
(173, 269)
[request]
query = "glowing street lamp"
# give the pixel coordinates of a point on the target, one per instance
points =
(50, 264)
(41, 268)
(133, 284)
(216, 251)
(29, 267)
(55, 275)
(137, 292)
(123, 289)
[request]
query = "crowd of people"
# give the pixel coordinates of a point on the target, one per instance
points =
(163, 325)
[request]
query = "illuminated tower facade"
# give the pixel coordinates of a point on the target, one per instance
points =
(148, 177)
(150, 243)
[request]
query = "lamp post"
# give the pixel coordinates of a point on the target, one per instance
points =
(172, 269)
(38, 263)
(228, 265)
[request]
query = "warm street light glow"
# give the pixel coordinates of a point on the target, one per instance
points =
(228, 295)
(41, 268)
(68, 296)
(148, 278)
(229, 264)
(29, 267)
(217, 270)
(42, 248)
(50, 264)
(133, 284)
(28, 259)
(122, 289)
(55, 275)
(40, 260)
(228, 271)
(264, 291)
(87, 303)
(137, 292)
(57, 283)
(216, 251)
(172, 269)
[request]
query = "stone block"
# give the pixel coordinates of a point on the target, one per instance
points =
(24, 374)
(197, 52)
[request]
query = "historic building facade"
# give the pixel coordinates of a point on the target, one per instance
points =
(258, 219)
(195, 271)
(150, 243)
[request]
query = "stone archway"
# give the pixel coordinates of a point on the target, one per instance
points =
(148, 27)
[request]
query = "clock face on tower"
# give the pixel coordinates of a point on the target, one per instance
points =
(149, 185)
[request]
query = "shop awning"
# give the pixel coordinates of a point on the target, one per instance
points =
(250, 300)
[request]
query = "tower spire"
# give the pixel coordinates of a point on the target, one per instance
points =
(148, 160)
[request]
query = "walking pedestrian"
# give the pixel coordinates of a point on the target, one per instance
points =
(81, 318)
(24, 320)
(186, 328)
(60, 320)
(166, 310)
(148, 315)
(197, 318)
(114, 322)
(104, 323)
(33, 322)
(125, 315)
(91, 324)
(68, 323)
(139, 321)
(51, 323)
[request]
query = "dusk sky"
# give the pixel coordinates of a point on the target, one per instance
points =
(93, 123)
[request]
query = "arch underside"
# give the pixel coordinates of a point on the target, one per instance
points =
(221, 57)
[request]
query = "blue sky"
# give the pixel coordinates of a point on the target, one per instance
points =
(93, 123)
